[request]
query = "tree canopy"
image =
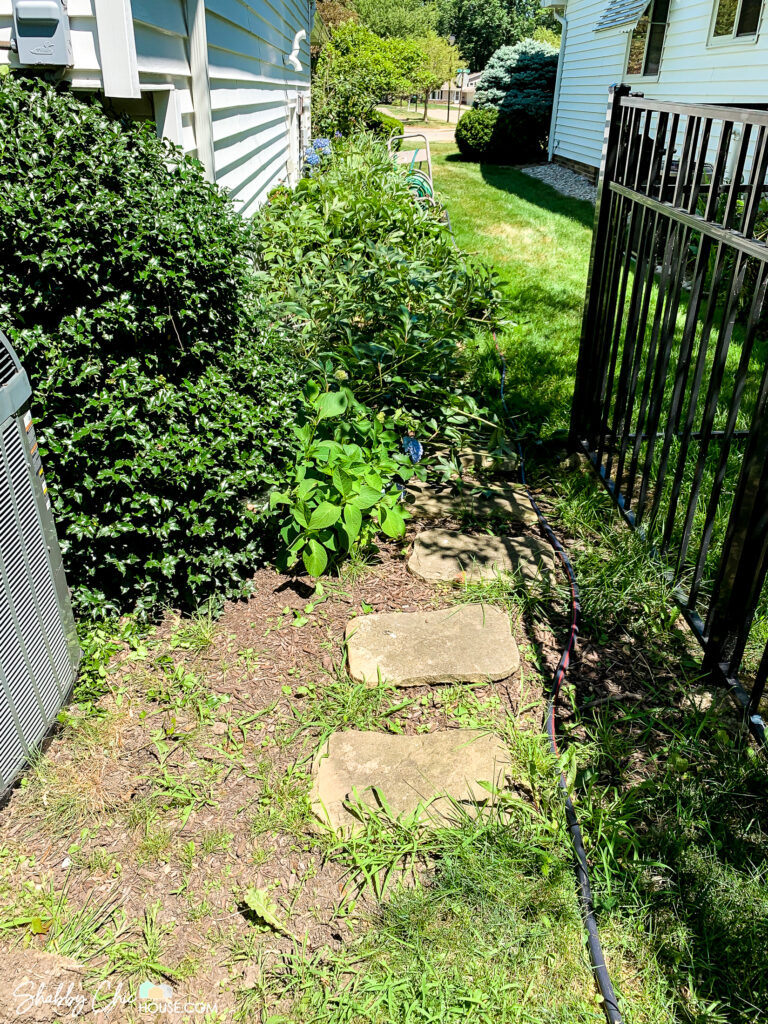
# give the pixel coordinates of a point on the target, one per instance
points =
(356, 69)
(480, 27)
(400, 19)
(441, 60)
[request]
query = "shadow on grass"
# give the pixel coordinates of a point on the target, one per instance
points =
(512, 180)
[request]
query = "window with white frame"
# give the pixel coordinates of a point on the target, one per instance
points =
(737, 19)
(647, 40)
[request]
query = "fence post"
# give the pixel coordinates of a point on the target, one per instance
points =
(744, 559)
(589, 372)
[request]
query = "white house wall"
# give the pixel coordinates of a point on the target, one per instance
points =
(254, 96)
(691, 71)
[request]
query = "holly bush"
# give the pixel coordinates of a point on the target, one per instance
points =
(128, 292)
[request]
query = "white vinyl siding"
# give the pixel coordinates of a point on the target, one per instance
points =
(692, 70)
(254, 96)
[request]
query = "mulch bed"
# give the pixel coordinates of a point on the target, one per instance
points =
(257, 654)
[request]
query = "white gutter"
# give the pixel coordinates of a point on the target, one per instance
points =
(563, 19)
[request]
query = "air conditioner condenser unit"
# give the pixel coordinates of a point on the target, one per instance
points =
(39, 653)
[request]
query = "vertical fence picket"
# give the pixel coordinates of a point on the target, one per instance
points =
(677, 286)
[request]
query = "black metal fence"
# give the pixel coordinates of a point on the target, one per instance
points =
(672, 379)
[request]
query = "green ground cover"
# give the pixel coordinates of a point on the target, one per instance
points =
(670, 794)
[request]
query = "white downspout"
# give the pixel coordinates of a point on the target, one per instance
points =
(563, 19)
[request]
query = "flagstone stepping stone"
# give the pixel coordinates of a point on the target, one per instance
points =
(453, 557)
(481, 462)
(472, 643)
(435, 502)
(484, 463)
(418, 775)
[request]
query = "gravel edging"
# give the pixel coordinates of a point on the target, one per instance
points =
(563, 180)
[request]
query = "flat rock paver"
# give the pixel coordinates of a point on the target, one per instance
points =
(421, 773)
(471, 643)
(454, 557)
(436, 502)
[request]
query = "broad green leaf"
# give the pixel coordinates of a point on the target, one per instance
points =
(331, 404)
(366, 498)
(305, 488)
(315, 558)
(353, 520)
(323, 516)
(277, 498)
(264, 909)
(393, 524)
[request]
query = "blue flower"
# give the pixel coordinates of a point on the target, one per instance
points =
(413, 448)
(321, 143)
(337, 134)
(312, 158)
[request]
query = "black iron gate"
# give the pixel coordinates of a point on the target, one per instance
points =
(672, 381)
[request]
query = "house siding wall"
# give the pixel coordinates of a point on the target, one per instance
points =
(691, 71)
(259, 106)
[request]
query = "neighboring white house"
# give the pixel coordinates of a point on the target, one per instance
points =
(702, 51)
(226, 79)
(450, 90)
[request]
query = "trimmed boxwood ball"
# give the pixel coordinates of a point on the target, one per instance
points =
(475, 133)
(162, 409)
(382, 125)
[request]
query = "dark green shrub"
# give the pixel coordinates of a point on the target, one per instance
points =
(382, 125)
(519, 82)
(475, 133)
(356, 70)
(127, 288)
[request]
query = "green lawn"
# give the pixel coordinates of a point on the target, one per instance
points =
(670, 794)
(539, 243)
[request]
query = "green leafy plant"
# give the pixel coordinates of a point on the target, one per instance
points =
(373, 284)
(128, 292)
(342, 492)
(383, 125)
(355, 70)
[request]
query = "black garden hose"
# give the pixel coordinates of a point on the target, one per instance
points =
(602, 977)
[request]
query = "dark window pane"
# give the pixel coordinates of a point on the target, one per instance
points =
(653, 53)
(726, 17)
(660, 10)
(637, 48)
(749, 18)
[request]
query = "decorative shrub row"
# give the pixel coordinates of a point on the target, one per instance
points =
(383, 303)
(166, 337)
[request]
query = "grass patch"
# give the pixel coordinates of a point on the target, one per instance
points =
(490, 933)
(538, 241)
